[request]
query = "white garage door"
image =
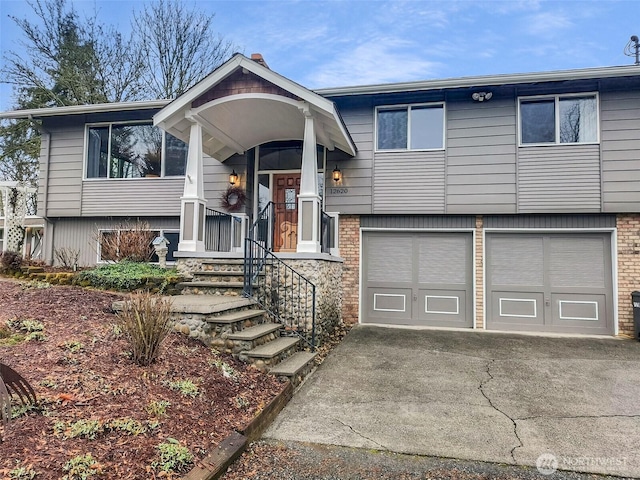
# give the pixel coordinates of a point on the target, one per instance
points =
(417, 278)
(549, 282)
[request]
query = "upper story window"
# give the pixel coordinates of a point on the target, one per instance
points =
(412, 127)
(133, 150)
(559, 119)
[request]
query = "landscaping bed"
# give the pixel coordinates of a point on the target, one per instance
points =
(95, 401)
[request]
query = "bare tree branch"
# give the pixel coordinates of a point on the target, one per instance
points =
(179, 44)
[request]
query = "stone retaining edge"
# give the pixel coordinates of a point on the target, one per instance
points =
(215, 464)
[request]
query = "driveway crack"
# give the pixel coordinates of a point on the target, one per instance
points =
(491, 404)
(360, 434)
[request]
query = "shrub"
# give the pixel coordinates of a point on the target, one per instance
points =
(127, 241)
(127, 276)
(145, 321)
(174, 458)
(185, 387)
(81, 467)
(158, 408)
(23, 472)
(67, 257)
(11, 260)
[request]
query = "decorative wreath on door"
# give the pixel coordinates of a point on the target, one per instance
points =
(233, 199)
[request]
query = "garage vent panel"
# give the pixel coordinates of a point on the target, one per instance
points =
(577, 262)
(442, 259)
(389, 259)
(516, 261)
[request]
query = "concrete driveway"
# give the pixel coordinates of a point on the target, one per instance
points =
(476, 396)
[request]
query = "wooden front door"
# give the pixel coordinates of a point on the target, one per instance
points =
(285, 231)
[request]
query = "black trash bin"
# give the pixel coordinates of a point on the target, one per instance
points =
(635, 301)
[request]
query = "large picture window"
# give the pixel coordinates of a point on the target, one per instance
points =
(414, 127)
(559, 119)
(133, 151)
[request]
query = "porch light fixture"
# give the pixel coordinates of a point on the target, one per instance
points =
(233, 177)
(482, 96)
(337, 175)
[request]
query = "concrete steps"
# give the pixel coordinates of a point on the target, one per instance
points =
(213, 287)
(212, 308)
(296, 367)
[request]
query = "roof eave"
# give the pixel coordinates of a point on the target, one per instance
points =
(482, 81)
(83, 109)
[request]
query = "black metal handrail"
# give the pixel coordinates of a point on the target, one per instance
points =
(288, 296)
(218, 230)
(261, 227)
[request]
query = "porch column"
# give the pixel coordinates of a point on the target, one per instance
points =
(309, 198)
(193, 209)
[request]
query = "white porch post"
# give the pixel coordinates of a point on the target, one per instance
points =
(193, 209)
(309, 198)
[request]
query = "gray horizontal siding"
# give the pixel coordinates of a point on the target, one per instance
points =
(481, 157)
(409, 182)
(418, 221)
(560, 178)
(82, 233)
(357, 172)
(216, 178)
(66, 152)
(132, 197)
(550, 221)
(620, 139)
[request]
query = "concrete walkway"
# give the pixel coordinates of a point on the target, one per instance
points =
(476, 396)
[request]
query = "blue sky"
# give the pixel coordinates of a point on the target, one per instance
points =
(339, 43)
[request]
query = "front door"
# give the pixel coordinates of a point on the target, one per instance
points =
(285, 231)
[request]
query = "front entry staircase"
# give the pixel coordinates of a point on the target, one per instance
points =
(237, 325)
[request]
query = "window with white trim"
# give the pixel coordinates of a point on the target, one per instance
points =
(559, 119)
(172, 235)
(411, 127)
(133, 150)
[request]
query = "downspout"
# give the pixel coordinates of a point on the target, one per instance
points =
(49, 225)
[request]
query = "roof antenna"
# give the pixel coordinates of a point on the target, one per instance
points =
(633, 49)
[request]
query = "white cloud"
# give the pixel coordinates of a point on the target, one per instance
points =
(547, 23)
(378, 60)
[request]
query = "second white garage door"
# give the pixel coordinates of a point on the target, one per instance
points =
(417, 278)
(556, 282)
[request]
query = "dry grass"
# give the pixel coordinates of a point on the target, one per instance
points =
(145, 322)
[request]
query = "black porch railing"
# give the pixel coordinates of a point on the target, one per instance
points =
(288, 296)
(327, 232)
(221, 231)
(276, 228)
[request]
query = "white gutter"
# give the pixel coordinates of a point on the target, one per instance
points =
(485, 80)
(83, 109)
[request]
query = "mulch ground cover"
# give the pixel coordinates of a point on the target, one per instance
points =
(95, 400)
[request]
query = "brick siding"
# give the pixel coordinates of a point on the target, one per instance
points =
(479, 276)
(628, 267)
(350, 252)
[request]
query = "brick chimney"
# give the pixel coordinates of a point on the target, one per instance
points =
(257, 57)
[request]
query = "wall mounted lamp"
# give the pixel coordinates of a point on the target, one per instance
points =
(233, 177)
(337, 175)
(482, 96)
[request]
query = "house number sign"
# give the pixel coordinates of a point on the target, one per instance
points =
(338, 191)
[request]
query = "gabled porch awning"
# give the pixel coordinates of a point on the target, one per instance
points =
(243, 104)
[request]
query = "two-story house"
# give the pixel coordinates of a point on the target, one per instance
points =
(506, 202)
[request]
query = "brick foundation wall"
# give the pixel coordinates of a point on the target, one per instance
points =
(349, 242)
(479, 276)
(628, 267)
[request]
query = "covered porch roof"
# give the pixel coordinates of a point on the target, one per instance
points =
(243, 104)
